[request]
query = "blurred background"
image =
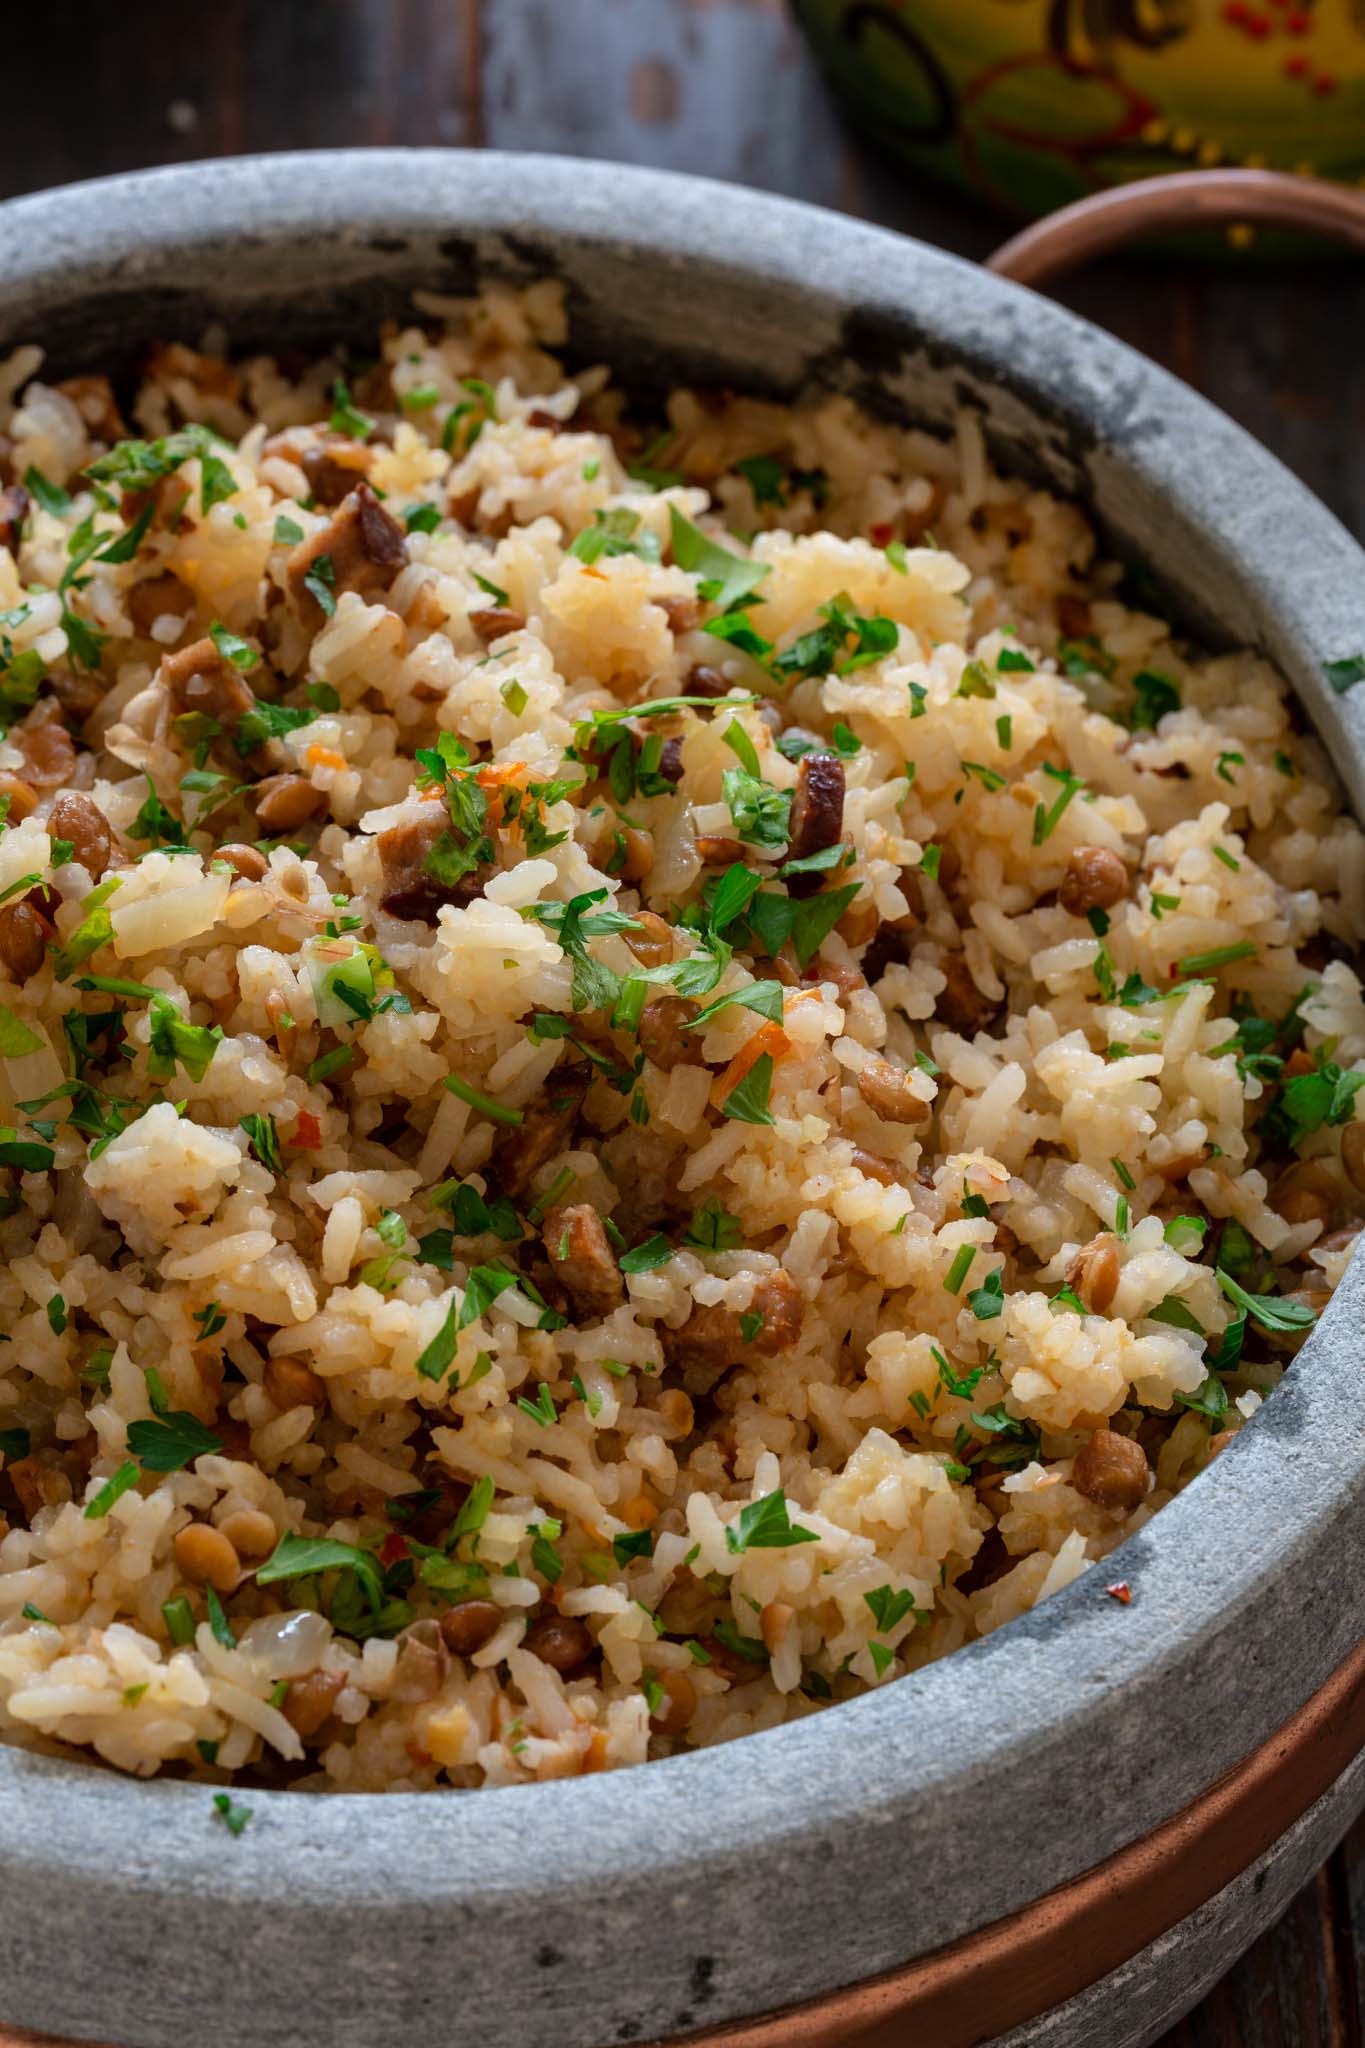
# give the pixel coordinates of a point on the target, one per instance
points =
(1024, 102)
(947, 119)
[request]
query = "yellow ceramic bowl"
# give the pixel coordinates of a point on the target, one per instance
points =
(1032, 103)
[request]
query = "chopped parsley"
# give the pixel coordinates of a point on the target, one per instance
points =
(595, 985)
(542, 1409)
(1047, 817)
(713, 1229)
(633, 1543)
(268, 722)
(647, 1257)
(15, 1037)
(774, 918)
(347, 419)
(1309, 1101)
(747, 1101)
(727, 581)
(1219, 956)
(112, 1490)
(486, 1106)
(298, 1557)
(1155, 694)
(168, 1443)
(615, 531)
(961, 1266)
(233, 1817)
(265, 1142)
(763, 997)
(320, 582)
(240, 653)
(761, 813)
(1270, 1311)
(987, 1300)
(765, 477)
(765, 1525)
(50, 496)
(179, 1619)
(888, 1606)
(826, 649)
(175, 1041)
(1345, 672)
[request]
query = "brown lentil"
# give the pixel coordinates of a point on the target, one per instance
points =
(676, 1411)
(1095, 879)
(73, 816)
(773, 1623)
(662, 1034)
(23, 941)
(247, 861)
(559, 1641)
(885, 1088)
(309, 1701)
(1094, 1272)
(962, 1006)
(678, 1705)
(423, 1660)
(250, 1531)
(1353, 1155)
(875, 1167)
(469, 1624)
(638, 852)
(1306, 1192)
(652, 945)
(1112, 1471)
(284, 802)
(495, 621)
(292, 1384)
(23, 798)
(206, 1557)
(50, 753)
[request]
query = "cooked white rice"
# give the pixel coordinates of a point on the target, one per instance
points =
(910, 1332)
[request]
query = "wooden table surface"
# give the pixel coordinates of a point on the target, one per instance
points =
(726, 88)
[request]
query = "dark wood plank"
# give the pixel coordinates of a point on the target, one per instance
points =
(1289, 1991)
(166, 82)
(1351, 1916)
(724, 88)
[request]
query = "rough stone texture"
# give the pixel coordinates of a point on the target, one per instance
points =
(637, 1905)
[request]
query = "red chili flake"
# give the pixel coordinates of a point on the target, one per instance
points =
(1120, 1591)
(1235, 13)
(393, 1549)
(307, 1133)
(881, 533)
(1258, 27)
(1295, 66)
(1324, 84)
(1298, 24)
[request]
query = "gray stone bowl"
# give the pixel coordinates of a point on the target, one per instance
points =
(721, 1885)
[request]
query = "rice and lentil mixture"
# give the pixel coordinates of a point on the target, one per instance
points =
(612, 1132)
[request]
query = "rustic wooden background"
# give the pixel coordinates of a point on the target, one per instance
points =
(725, 88)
